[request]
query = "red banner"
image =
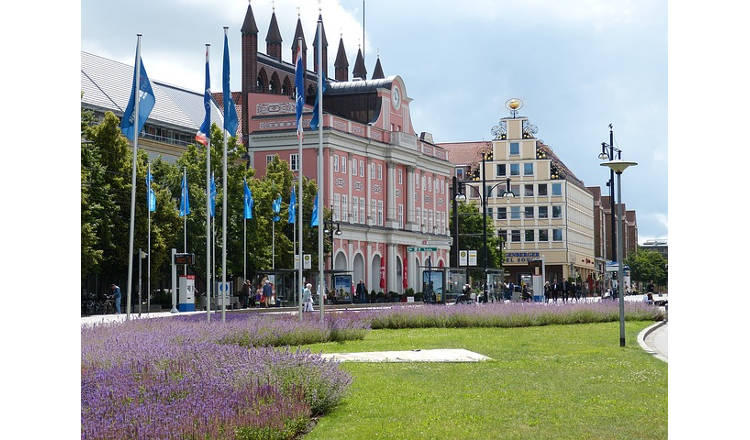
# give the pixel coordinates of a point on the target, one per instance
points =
(382, 272)
(406, 273)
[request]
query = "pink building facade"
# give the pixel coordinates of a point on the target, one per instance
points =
(386, 186)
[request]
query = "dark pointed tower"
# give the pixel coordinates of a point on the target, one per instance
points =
(249, 65)
(341, 65)
(297, 35)
(378, 72)
(359, 67)
(273, 38)
(324, 48)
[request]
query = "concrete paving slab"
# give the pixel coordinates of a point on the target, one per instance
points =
(437, 355)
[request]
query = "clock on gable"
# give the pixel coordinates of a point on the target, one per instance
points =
(396, 98)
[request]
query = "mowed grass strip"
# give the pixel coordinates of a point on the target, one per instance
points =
(550, 382)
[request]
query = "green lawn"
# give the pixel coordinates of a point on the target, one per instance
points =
(550, 382)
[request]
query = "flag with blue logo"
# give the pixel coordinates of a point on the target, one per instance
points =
(230, 113)
(185, 198)
(299, 87)
(146, 102)
(292, 206)
(276, 206)
(314, 219)
(205, 131)
(150, 194)
(248, 201)
(315, 121)
(212, 189)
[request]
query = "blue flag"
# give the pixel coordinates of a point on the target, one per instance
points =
(248, 201)
(230, 113)
(299, 87)
(150, 195)
(213, 196)
(315, 121)
(314, 219)
(292, 206)
(205, 131)
(145, 104)
(185, 199)
(276, 206)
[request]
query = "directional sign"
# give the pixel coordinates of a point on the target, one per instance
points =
(420, 249)
(436, 242)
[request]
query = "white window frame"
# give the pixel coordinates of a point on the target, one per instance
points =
(380, 213)
(553, 211)
(294, 162)
(380, 172)
(419, 215)
(344, 208)
(400, 177)
(562, 237)
(532, 168)
(552, 189)
(335, 163)
(362, 168)
(362, 210)
(336, 207)
(354, 167)
(343, 164)
(401, 216)
(269, 159)
(355, 207)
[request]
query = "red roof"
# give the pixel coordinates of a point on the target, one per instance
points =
(465, 153)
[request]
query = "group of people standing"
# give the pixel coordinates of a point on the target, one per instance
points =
(263, 295)
(565, 290)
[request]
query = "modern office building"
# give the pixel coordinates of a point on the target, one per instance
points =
(551, 216)
(387, 186)
(177, 114)
(658, 245)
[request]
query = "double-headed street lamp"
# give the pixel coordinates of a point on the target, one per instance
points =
(617, 167)
(610, 155)
(331, 228)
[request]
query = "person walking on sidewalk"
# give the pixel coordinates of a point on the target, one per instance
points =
(117, 297)
(307, 305)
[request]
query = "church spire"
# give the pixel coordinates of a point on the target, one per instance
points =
(297, 35)
(273, 39)
(248, 26)
(378, 72)
(324, 48)
(249, 75)
(359, 66)
(341, 65)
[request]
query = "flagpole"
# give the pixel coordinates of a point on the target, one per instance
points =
(320, 169)
(208, 210)
(213, 251)
(184, 218)
(224, 217)
(148, 269)
(301, 198)
(136, 98)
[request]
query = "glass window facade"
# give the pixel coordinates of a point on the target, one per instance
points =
(557, 235)
(556, 189)
(515, 212)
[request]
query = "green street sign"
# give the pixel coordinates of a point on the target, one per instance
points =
(420, 249)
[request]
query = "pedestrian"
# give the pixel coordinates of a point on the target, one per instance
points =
(117, 297)
(579, 290)
(565, 289)
(267, 293)
(546, 291)
(361, 291)
(307, 304)
(555, 290)
(524, 292)
(244, 294)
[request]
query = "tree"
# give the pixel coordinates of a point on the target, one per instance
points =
(470, 236)
(106, 161)
(646, 266)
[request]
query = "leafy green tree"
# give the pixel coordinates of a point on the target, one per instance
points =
(470, 225)
(106, 161)
(646, 266)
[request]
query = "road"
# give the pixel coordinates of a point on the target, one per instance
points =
(657, 340)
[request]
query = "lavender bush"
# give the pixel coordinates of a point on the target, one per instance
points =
(506, 315)
(185, 378)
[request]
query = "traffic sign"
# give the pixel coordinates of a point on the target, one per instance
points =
(420, 249)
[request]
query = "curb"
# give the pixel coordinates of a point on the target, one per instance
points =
(642, 340)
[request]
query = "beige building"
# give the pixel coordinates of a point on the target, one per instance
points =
(552, 213)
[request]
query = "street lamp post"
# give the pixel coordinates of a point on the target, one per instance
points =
(604, 155)
(618, 166)
(332, 228)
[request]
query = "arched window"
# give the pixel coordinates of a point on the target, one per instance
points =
(286, 87)
(261, 84)
(275, 85)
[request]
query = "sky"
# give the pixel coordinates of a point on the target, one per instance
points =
(577, 65)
